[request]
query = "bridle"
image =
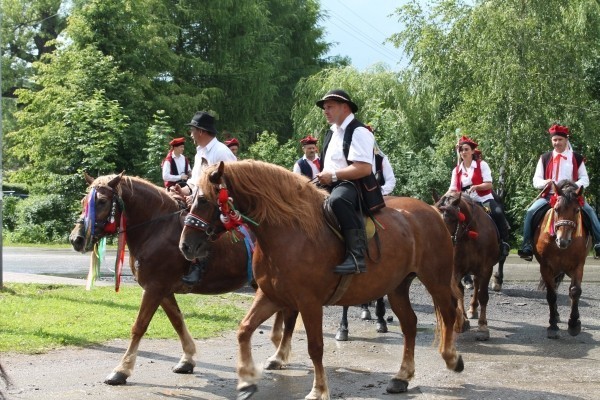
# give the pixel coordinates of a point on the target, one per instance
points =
(198, 223)
(462, 225)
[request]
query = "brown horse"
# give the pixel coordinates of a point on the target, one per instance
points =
(154, 224)
(561, 247)
(476, 251)
(296, 255)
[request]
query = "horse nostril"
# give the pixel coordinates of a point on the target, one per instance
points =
(184, 247)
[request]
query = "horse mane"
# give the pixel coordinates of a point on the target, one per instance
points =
(273, 194)
(137, 186)
(569, 190)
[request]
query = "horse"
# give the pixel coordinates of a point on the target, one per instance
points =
(562, 244)
(154, 224)
(5, 381)
(297, 252)
(342, 332)
(476, 251)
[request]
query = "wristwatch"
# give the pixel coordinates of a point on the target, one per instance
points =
(333, 177)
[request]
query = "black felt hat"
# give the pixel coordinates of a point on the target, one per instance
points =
(203, 120)
(340, 96)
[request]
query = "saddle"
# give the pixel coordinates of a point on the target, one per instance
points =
(334, 225)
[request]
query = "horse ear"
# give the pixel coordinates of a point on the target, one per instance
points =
(435, 195)
(114, 182)
(88, 178)
(556, 189)
(215, 176)
(456, 200)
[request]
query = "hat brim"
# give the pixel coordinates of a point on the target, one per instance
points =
(353, 106)
(209, 129)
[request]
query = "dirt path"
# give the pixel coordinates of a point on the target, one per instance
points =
(518, 362)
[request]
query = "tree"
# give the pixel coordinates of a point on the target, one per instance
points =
(502, 72)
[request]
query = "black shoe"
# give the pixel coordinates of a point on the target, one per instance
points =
(526, 252)
(196, 271)
(597, 250)
(356, 245)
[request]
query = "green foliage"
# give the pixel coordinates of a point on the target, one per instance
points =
(31, 323)
(9, 212)
(41, 219)
(268, 149)
(158, 136)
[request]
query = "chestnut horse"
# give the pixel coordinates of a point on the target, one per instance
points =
(476, 251)
(154, 224)
(562, 244)
(296, 254)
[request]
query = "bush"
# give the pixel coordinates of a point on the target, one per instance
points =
(9, 208)
(42, 219)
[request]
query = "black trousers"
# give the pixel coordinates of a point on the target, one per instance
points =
(345, 203)
(497, 214)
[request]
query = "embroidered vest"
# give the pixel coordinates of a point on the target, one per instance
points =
(477, 179)
(549, 165)
(305, 168)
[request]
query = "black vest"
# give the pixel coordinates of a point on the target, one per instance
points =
(305, 168)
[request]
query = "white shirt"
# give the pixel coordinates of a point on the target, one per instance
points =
(166, 168)
(361, 147)
(466, 179)
(315, 170)
(565, 171)
(214, 152)
(388, 175)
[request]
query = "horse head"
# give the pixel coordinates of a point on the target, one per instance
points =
(449, 208)
(99, 217)
(202, 226)
(566, 203)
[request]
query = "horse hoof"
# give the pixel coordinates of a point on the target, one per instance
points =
(341, 335)
(472, 315)
(397, 386)
(183, 368)
(575, 330)
(466, 325)
(382, 328)
(497, 287)
(116, 379)
(482, 336)
(552, 333)
(247, 392)
(460, 365)
(272, 365)
(365, 315)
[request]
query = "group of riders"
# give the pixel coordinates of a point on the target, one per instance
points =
(350, 164)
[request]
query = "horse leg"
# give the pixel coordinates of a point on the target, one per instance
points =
(313, 323)
(148, 306)
(287, 318)
(365, 314)
(445, 311)
(186, 364)
(483, 295)
(552, 330)
(461, 324)
(499, 275)
(380, 313)
(342, 333)
(248, 375)
(574, 324)
(400, 304)
(474, 303)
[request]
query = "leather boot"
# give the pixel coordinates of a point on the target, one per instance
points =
(597, 250)
(196, 271)
(526, 252)
(356, 245)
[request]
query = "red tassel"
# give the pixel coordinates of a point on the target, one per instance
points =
(110, 228)
(461, 217)
(581, 201)
(473, 234)
(553, 200)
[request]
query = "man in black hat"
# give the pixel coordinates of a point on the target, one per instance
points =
(209, 151)
(347, 157)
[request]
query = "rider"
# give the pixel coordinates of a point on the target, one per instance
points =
(347, 158)
(176, 167)
(473, 176)
(554, 166)
(310, 164)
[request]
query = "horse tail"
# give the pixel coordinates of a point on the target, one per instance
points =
(557, 281)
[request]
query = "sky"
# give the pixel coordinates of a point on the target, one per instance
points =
(360, 27)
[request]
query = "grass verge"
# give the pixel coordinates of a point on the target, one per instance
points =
(35, 318)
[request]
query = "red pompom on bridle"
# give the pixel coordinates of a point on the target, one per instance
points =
(230, 218)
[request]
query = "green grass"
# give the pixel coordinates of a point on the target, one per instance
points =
(36, 318)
